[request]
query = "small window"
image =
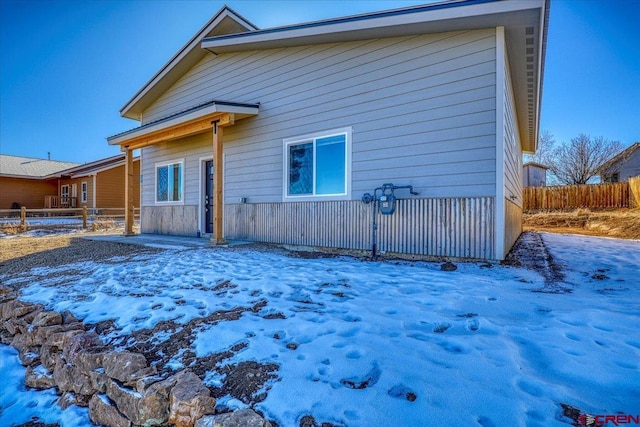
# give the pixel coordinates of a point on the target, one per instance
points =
(83, 192)
(169, 182)
(64, 191)
(318, 165)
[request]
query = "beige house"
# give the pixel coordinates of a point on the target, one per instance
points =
(282, 134)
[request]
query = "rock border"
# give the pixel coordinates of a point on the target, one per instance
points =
(120, 388)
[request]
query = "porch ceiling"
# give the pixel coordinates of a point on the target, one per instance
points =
(189, 122)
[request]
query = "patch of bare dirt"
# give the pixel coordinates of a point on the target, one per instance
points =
(618, 223)
(22, 253)
(530, 252)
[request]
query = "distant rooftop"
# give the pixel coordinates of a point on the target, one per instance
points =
(29, 167)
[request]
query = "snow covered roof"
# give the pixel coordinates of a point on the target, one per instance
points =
(29, 167)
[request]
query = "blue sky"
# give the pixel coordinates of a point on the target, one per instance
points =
(67, 67)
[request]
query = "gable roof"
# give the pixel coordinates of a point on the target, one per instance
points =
(525, 23)
(30, 167)
(226, 21)
(537, 165)
(93, 167)
(620, 157)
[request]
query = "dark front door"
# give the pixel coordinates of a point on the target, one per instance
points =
(208, 196)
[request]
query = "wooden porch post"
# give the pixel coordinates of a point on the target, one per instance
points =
(217, 237)
(128, 192)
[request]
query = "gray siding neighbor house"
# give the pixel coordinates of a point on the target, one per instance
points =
(534, 175)
(623, 166)
(276, 135)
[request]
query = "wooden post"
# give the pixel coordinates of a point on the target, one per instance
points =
(128, 192)
(23, 217)
(217, 238)
(84, 217)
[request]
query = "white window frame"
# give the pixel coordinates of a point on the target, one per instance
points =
(62, 191)
(287, 142)
(155, 182)
(84, 189)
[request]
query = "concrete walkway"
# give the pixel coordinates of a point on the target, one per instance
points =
(160, 241)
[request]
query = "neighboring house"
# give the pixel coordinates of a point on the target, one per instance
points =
(623, 166)
(38, 184)
(275, 135)
(534, 175)
(98, 184)
(26, 181)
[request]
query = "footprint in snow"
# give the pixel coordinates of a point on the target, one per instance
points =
(359, 383)
(441, 328)
(473, 325)
(401, 391)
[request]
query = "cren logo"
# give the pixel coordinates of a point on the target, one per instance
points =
(603, 420)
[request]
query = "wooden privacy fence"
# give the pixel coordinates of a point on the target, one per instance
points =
(614, 195)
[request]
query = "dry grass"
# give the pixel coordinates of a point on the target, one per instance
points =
(620, 223)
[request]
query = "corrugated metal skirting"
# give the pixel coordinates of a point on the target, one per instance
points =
(455, 227)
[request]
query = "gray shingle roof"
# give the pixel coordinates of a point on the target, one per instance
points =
(30, 167)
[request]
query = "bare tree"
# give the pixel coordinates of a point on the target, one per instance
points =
(578, 161)
(544, 153)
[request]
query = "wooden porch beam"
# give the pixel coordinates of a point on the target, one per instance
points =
(181, 130)
(217, 238)
(129, 182)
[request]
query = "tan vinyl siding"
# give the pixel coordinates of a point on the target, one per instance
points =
(26, 192)
(422, 110)
(110, 187)
(78, 182)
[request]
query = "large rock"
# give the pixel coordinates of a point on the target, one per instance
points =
(41, 335)
(189, 400)
(47, 318)
(69, 377)
(76, 343)
(104, 413)
(148, 408)
(122, 365)
(39, 378)
(243, 418)
(58, 339)
(92, 358)
(29, 356)
(49, 356)
(16, 308)
(70, 398)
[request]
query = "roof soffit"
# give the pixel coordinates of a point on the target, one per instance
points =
(226, 21)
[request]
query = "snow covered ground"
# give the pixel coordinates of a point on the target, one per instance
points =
(363, 343)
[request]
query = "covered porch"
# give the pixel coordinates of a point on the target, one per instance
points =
(211, 117)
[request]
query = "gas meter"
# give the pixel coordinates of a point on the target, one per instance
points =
(387, 204)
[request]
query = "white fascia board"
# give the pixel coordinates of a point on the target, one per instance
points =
(189, 47)
(322, 31)
(165, 124)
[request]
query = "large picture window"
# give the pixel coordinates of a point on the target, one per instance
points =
(169, 182)
(317, 166)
